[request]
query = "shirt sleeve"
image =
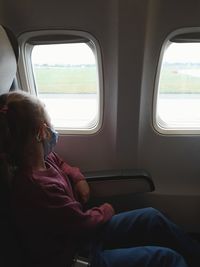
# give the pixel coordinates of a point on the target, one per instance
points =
(73, 173)
(70, 217)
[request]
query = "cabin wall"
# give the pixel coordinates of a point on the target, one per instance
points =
(172, 160)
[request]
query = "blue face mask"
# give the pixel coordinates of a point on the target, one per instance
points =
(50, 142)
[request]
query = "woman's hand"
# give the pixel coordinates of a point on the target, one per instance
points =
(83, 191)
(110, 207)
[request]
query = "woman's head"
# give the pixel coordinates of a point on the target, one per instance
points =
(22, 122)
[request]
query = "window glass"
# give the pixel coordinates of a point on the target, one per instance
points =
(178, 97)
(66, 80)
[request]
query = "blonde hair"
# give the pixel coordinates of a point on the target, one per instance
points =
(21, 116)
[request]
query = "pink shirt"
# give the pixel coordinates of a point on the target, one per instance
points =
(49, 217)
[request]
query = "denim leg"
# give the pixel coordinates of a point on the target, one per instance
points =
(147, 227)
(147, 256)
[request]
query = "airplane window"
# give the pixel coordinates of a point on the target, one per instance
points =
(66, 80)
(178, 96)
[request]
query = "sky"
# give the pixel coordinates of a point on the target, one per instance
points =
(183, 52)
(63, 54)
(76, 54)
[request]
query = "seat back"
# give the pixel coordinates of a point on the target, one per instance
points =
(9, 53)
(10, 251)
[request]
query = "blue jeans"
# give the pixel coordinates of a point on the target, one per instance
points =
(143, 238)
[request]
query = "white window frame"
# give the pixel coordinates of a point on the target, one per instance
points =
(26, 76)
(156, 119)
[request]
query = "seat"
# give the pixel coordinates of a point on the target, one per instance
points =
(9, 246)
(9, 53)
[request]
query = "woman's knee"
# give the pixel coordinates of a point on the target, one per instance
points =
(154, 215)
(152, 211)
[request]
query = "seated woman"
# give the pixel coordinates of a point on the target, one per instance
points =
(48, 196)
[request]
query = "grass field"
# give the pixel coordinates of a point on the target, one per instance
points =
(174, 81)
(83, 79)
(66, 79)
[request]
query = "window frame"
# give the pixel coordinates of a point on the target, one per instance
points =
(183, 35)
(25, 74)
